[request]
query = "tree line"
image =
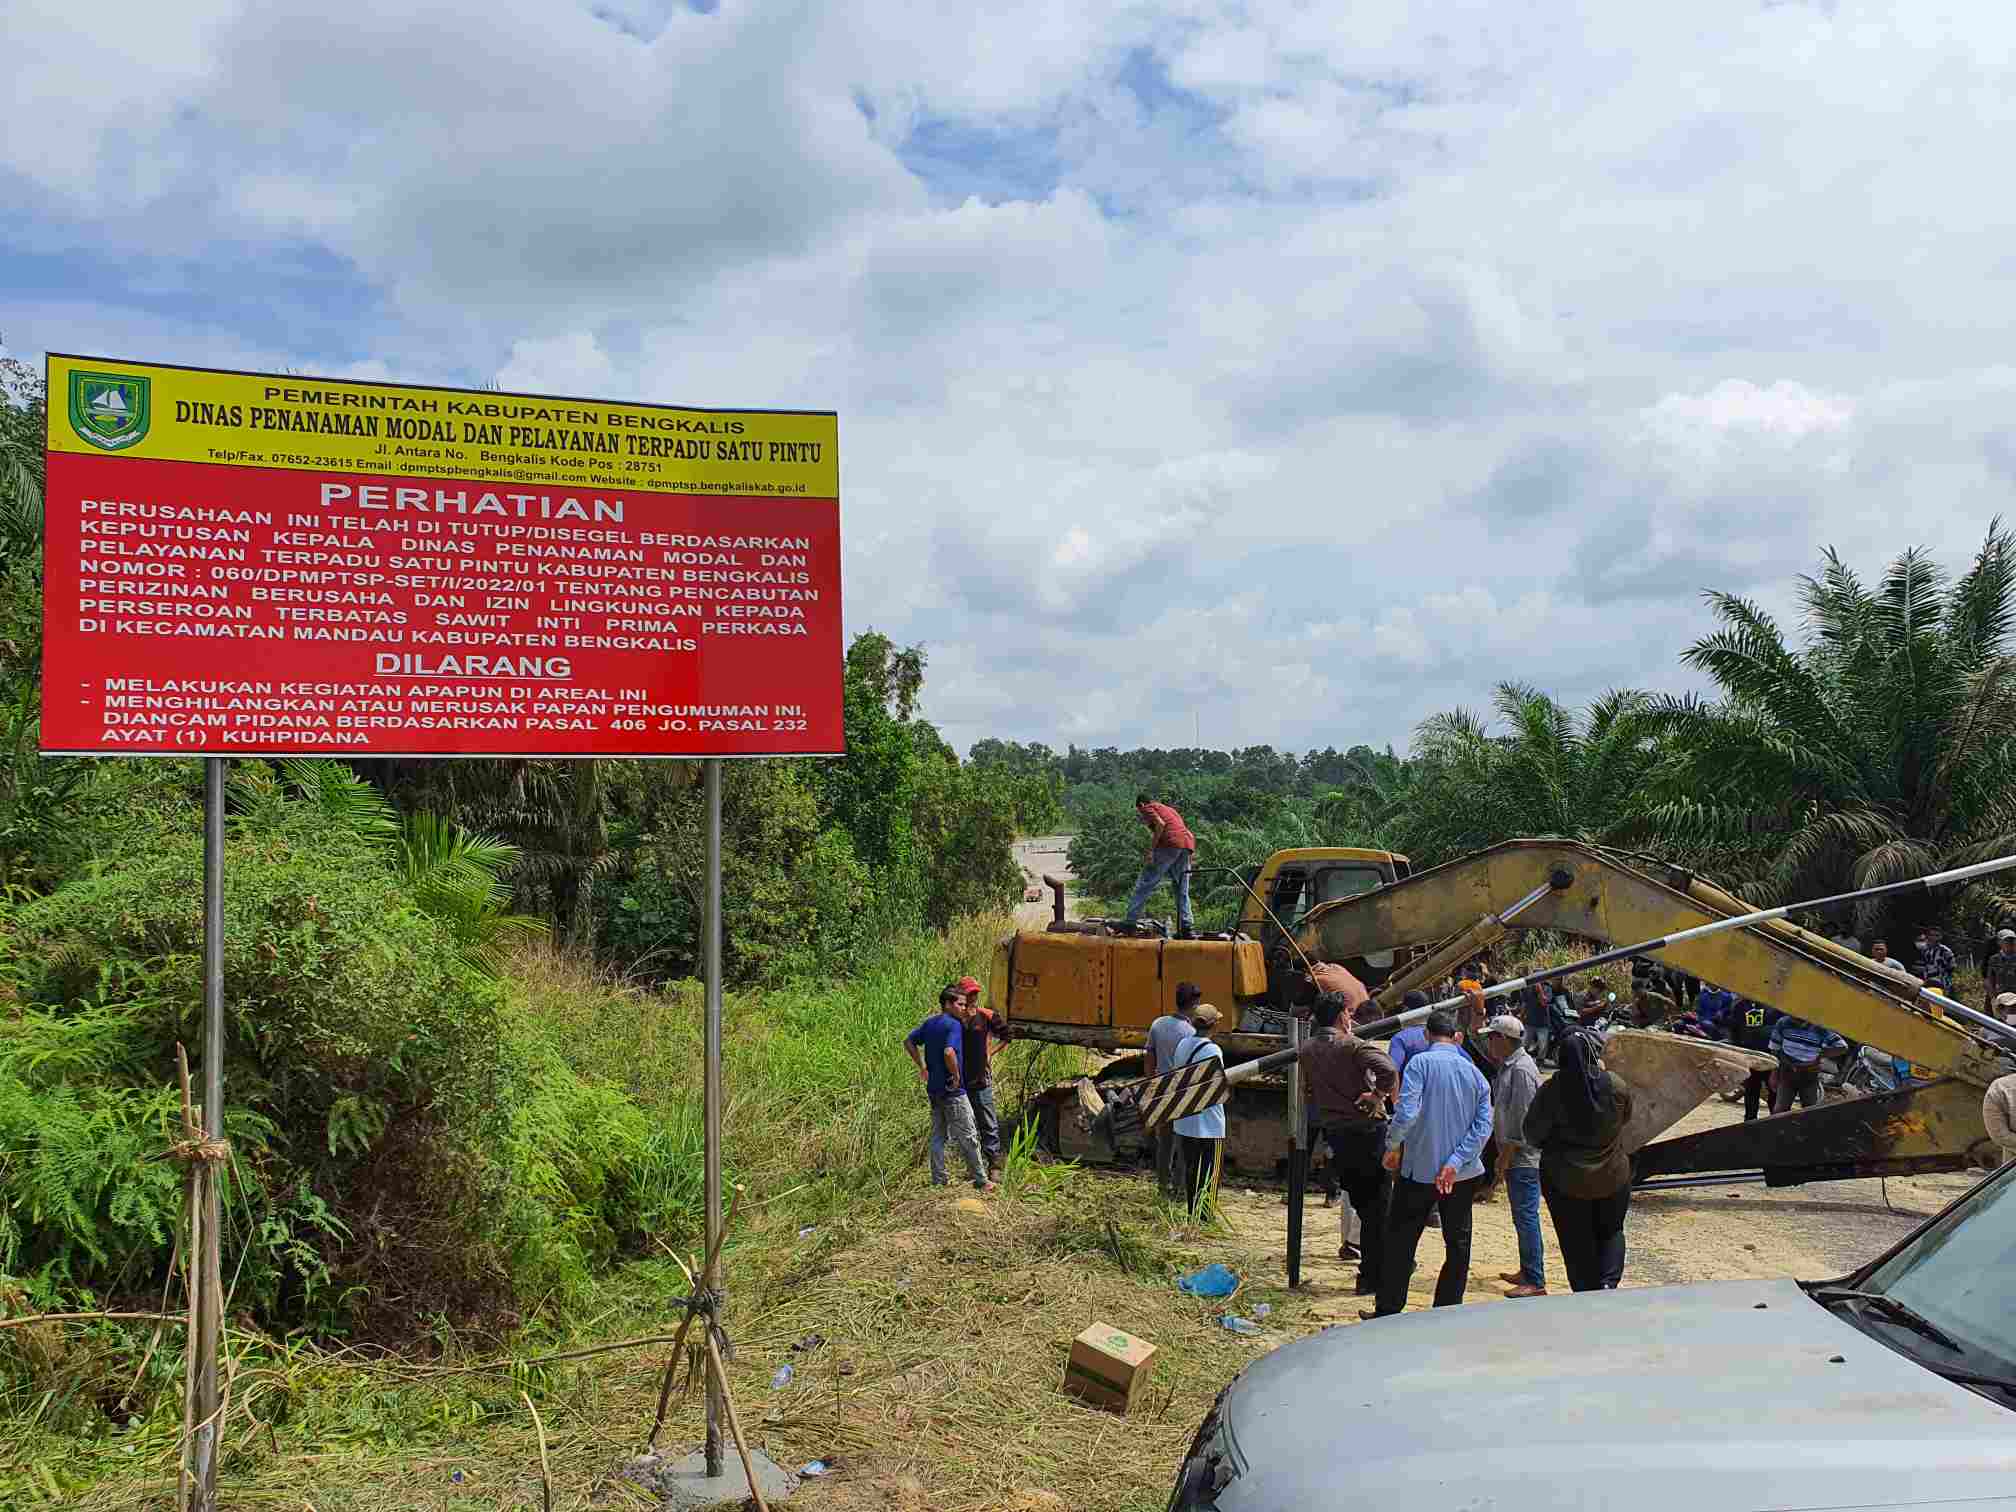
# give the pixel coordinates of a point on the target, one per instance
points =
(1874, 740)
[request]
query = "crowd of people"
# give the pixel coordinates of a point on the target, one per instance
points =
(1454, 1106)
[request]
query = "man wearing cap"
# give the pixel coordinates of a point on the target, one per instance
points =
(1202, 1135)
(1518, 1162)
(1165, 1036)
(1999, 974)
(976, 1064)
(1349, 1080)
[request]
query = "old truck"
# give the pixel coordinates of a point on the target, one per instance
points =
(1079, 983)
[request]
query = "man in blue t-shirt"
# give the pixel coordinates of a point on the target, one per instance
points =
(1412, 1040)
(934, 1047)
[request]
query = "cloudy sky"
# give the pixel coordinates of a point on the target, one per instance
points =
(1285, 371)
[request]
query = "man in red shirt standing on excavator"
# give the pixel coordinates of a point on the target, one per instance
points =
(1171, 848)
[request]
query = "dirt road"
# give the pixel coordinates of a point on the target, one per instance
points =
(1038, 856)
(1694, 1234)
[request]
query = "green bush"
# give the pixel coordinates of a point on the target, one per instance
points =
(407, 1141)
(798, 901)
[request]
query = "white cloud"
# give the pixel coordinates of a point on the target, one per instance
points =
(1786, 410)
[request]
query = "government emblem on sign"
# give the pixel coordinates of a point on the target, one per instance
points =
(110, 410)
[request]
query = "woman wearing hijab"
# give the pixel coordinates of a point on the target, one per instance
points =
(1577, 1122)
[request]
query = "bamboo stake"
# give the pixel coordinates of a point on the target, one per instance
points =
(734, 1420)
(679, 1339)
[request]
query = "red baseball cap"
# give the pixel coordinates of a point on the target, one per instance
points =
(968, 986)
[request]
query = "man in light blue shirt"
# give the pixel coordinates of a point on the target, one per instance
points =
(1434, 1145)
(1200, 1138)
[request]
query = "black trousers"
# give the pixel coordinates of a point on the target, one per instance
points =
(1590, 1231)
(1753, 1092)
(1200, 1167)
(1413, 1201)
(1355, 1156)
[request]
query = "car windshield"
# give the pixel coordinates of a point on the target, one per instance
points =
(1960, 1274)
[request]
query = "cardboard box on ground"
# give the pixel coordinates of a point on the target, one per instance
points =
(1109, 1368)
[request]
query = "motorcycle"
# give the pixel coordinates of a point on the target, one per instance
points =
(1872, 1070)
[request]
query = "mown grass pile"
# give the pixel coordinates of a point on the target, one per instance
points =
(943, 1333)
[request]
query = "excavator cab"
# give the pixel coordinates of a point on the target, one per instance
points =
(1294, 883)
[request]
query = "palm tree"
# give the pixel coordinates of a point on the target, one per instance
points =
(453, 874)
(1374, 791)
(553, 814)
(1881, 749)
(1556, 771)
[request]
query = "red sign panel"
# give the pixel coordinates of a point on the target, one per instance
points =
(242, 564)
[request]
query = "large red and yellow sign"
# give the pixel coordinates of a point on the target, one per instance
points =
(257, 564)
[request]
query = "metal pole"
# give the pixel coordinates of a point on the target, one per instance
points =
(1972, 1016)
(710, 931)
(213, 945)
(206, 1265)
(1298, 1155)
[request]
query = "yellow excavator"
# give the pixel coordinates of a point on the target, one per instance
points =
(1079, 982)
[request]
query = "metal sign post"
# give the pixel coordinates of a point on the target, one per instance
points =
(206, 1259)
(1298, 1155)
(710, 933)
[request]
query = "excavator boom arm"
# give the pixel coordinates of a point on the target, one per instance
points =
(1619, 900)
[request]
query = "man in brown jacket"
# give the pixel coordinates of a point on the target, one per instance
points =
(1349, 1080)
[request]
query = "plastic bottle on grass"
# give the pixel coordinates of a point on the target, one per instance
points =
(782, 1379)
(1240, 1325)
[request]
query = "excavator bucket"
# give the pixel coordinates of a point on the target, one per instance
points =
(1670, 1076)
(1934, 1127)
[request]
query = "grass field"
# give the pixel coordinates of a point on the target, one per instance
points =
(837, 1233)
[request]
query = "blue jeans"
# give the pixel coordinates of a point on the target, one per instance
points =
(986, 1120)
(1522, 1191)
(1173, 862)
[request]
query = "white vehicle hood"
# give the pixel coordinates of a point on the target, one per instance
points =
(1729, 1395)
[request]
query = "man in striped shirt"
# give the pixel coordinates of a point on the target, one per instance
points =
(1800, 1047)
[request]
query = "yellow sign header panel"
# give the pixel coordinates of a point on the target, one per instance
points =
(179, 414)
